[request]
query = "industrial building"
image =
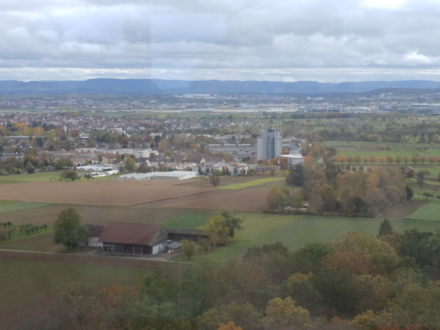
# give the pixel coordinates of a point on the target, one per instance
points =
(293, 160)
(176, 175)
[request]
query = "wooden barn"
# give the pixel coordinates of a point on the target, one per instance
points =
(134, 238)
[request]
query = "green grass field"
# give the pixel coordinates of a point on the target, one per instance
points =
(8, 206)
(17, 178)
(23, 281)
(3, 182)
(278, 184)
(395, 152)
(295, 231)
(429, 212)
(367, 149)
(194, 220)
(252, 183)
(42, 176)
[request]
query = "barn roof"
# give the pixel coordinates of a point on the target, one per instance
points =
(95, 230)
(130, 233)
(174, 245)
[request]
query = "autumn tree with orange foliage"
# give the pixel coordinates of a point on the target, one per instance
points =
(229, 326)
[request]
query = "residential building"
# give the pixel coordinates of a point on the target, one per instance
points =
(269, 144)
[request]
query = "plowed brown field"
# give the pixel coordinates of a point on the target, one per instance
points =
(245, 200)
(114, 192)
(96, 214)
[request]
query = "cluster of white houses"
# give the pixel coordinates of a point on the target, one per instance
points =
(139, 238)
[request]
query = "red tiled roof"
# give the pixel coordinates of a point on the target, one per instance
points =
(129, 233)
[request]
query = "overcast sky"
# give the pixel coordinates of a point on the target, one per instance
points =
(283, 40)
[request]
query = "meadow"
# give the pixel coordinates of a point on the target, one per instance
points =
(295, 231)
(194, 220)
(429, 212)
(367, 149)
(43, 176)
(9, 206)
(251, 183)
(36, 177)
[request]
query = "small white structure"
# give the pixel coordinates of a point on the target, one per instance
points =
(176, 175)
(95, 232)
(293, 160)
(95, 168)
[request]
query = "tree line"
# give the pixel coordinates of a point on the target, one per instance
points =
(8, 229)
(331, 191)
(389, 159)
(218, 230)
(388, 282)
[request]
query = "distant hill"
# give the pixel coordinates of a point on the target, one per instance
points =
(159, 86)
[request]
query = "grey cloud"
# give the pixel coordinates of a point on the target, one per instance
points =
(244, 39)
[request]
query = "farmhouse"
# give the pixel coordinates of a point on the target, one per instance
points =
(95, 233)
(135, 238)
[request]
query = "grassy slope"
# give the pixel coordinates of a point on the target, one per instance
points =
(7, 206)
(251, 183)
(429, 212)
(24, 281)
(295, 231)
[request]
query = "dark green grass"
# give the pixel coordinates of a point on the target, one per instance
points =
(10, 206)
(3, 182)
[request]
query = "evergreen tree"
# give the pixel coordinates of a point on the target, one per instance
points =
(409, 193)
(385, 228)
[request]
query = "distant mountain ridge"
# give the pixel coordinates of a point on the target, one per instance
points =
(160, 86)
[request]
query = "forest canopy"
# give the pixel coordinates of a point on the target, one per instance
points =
(389, 281)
